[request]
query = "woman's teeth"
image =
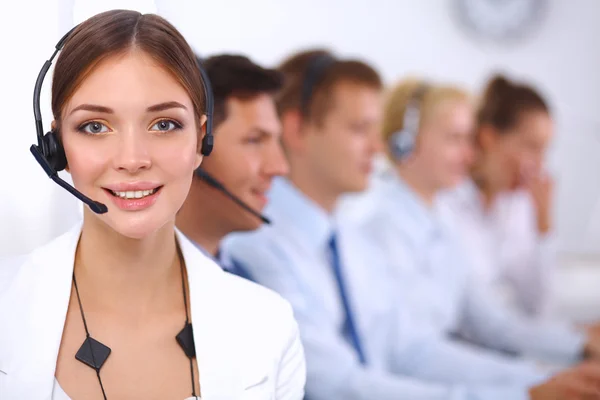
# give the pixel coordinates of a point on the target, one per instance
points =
(137, 194)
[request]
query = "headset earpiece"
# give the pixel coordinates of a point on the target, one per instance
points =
(53, 151)
(207, 144)
(402, 143)
(208, 139)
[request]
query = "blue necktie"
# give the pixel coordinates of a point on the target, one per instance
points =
(350, 326)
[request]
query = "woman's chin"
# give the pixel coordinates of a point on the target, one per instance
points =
(137, 227)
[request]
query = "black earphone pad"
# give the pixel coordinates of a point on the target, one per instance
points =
(55, 153)
(207, 144)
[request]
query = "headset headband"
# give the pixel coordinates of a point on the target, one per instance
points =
(314, 72)
(210, 106)
(37, 90)
(412, 114)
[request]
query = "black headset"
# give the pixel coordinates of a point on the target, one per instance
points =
(402, 142)
(317, 67)
(49, 151)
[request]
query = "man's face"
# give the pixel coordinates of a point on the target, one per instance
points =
(247, 156)
(341, 149)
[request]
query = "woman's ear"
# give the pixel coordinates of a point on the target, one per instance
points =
(486, 137)
(203, 132)
(198, 161)
(53, 125)
(203, 119)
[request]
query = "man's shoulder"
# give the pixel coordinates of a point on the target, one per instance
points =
(270, 243)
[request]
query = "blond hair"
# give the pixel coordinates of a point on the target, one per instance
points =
(399, 96)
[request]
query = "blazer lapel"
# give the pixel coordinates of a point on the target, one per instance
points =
(213, 318)
(41, 291)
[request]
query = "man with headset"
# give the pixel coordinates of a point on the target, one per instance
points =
(358, 343)
(229, 190)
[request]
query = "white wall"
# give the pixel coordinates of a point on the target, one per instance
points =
(32, 209)
(399, 37)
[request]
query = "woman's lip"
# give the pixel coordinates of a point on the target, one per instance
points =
(132, 186)
(134, 204)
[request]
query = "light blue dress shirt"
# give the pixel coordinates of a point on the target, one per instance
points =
(226, 262)
(433, 272)
(403, 361)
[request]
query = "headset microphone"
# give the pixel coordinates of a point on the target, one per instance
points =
(95, 206)
(211, 181)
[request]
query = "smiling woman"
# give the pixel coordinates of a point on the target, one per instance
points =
(106, 310)
(156, 124)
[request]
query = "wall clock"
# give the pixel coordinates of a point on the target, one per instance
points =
(500, 21)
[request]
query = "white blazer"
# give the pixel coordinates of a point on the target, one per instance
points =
(246, 337)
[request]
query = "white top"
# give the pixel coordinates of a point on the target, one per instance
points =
(248, 348)
(504, 246)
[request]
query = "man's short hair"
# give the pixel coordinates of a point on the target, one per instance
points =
(295, 70)
(236, 76)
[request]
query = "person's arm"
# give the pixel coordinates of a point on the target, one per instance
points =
(435, 357)
(530, 272)
(333, 370)
(491, 323)
(528, 259)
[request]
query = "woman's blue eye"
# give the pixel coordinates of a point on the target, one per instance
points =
(165, 125)
(93, 128)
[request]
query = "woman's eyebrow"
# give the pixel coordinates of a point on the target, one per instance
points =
(165, 106)
(93, 108)
(106, 110)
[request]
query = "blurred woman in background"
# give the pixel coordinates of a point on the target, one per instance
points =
(505, 208)
(429, 132)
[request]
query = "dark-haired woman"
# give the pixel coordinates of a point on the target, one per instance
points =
(505, 208)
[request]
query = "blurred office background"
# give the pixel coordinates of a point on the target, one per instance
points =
(551, 43)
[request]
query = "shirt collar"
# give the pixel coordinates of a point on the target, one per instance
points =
(288, 205)
(467, 194)
(422, 220)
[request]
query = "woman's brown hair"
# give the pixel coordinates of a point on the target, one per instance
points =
(115, 32)
(504, 102)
